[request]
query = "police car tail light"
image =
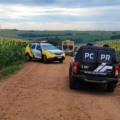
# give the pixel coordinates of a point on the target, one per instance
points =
(75, 67)
(116, 71)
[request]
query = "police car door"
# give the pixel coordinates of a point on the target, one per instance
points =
(36, 49)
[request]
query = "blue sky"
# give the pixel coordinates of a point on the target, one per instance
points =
(60, 14)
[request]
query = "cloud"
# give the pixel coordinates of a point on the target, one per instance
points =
(61, 14)
(21, 11)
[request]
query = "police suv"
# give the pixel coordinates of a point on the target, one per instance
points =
(44, 51)
(95, 64)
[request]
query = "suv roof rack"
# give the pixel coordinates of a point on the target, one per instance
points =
(89, 44)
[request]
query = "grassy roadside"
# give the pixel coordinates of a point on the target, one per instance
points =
(12, 56)
(10, 70)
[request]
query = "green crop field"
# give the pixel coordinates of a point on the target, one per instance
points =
(59, 36)
(11, 55)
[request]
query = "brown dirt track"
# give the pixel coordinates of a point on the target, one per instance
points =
(41, 92)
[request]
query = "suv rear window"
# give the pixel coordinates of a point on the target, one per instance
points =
(100, 56)
(89, 55)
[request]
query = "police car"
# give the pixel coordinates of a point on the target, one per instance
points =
(43, 51)
(94, 64)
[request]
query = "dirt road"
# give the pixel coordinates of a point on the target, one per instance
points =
(41, 92)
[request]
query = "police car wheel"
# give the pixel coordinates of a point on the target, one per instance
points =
(28, 58)
(61, 61)
(45, 59)
(110, 87)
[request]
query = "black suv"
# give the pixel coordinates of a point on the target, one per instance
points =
(95, 64)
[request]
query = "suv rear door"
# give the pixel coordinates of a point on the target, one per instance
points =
(95, 61)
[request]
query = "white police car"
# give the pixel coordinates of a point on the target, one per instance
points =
(44, 51)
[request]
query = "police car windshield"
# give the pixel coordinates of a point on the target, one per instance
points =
(48, 47)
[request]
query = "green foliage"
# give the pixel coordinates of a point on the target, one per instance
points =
(11, 51)
(7, 71)
(77, 36)
(11, 55)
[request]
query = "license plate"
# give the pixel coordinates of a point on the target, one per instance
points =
(59, 57)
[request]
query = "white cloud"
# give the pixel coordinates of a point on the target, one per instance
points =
(21, 11)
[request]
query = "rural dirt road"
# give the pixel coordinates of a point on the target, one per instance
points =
(41, 92)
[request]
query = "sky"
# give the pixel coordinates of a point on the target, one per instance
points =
(60, 14)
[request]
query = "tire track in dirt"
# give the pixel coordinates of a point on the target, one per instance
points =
(41, 92)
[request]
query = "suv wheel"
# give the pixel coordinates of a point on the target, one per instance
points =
(72, 83)
(45, 59)
(28, 58)
(110, 87)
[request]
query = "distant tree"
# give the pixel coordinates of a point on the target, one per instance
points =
(115, 37)
(114, 32)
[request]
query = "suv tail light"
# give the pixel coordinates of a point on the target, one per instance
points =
(116, 71)
(75, 67)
